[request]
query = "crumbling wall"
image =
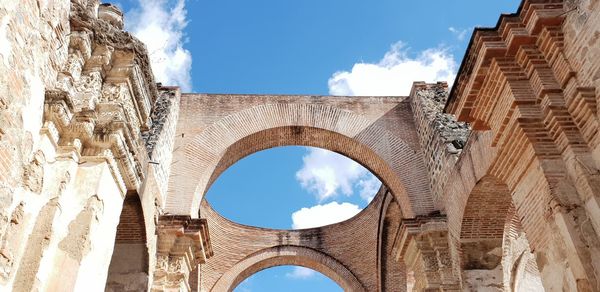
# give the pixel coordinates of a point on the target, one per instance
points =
(518, 262)
(33, 46)
(442, 138)
(75, 94)
(582, 41)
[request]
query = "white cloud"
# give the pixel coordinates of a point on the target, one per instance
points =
(160, 26)
(327, 174)
(395, 73)
(369, 187)
(301, 273)
(320, 215)
(460, 34)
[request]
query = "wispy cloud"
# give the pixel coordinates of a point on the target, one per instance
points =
(369, 187)
(160, 25)
(301, 273)
(395, 73)
(327, 174)
(320, 215)
(460, 34)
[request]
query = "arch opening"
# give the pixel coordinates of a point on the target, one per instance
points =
(286, 255)
(289, 278)
(129, 265)
(495, 250)
(292, 187)
(390, 153)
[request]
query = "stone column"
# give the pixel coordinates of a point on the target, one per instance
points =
(423, 245)
(183, 243)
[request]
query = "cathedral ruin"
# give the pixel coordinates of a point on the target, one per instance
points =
(491, 185)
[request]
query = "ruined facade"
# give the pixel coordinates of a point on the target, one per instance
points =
(492, 185)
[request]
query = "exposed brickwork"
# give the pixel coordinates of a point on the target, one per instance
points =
(523, 83)
(441, 136)
(514, 207)
(378, 132)
(484, 216)
(325, 249)
(131, 227)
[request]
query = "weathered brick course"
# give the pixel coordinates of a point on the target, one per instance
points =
(493, 186)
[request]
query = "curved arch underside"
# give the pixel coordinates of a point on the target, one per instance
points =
(215, 131)
(240, 250)
(288, 255)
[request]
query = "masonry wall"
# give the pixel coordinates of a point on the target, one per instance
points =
(582, 40)
(34, 45)
(440, 135)
(234, 242)
(529, 86)
(67, 157)
(86, 133)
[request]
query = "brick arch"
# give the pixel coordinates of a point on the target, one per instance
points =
(486, 210)
(368, 139)
(289, 255)
(233, 243)
(484, 219)
(130, 259)
(392, 274)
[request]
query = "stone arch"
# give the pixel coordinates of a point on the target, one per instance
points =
(289, 255)
(389, 151)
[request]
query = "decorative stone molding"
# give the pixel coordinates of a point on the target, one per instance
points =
(183, 243)
(111, 14)
(423, 245)
(103, 96)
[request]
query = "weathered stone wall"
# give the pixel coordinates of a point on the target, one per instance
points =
(441, 136)
(582, 41)
(75, 92)
(34, 45)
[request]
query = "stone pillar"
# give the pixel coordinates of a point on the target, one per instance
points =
(183, 243)
(423, 245)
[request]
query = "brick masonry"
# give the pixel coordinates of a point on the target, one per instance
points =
(493, 185)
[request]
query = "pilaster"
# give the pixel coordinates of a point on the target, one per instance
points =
(422, 243)
(183, 243)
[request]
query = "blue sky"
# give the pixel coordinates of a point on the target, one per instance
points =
(339, 47)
